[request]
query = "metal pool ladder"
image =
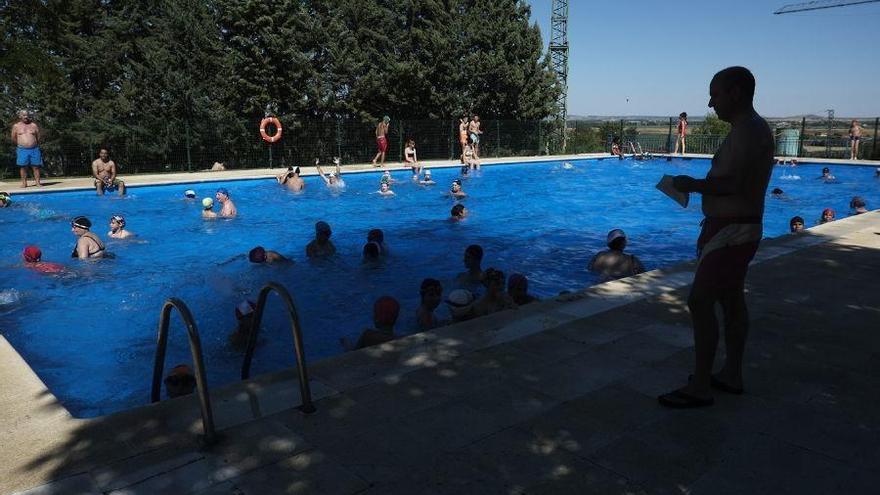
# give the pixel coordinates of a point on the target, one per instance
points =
(195, 347)
(305, 392)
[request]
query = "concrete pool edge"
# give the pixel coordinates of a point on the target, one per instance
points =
(38, 424)
(202, 177)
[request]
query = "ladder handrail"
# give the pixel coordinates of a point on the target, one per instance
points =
(305, 392)
(195, 346)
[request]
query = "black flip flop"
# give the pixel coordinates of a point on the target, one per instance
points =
(683, 400)
(719, 385)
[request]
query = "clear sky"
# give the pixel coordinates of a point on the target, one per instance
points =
(662, 54)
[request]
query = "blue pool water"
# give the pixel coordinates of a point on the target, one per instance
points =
(91, 337)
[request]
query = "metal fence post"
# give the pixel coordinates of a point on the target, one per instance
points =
(540, 136)
(801, 136)
(188, 155)
(874, 142)
(497, 138)
(669, 136)
(339, 137)
(400, 144)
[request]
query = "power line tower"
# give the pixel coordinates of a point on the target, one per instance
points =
(559, 59)
(819, 4)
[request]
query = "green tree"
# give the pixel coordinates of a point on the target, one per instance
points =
(712, 126)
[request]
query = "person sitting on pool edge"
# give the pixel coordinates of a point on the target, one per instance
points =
(427, 181)
(261, 255)
(88, 245)
(518, 288)
(228, 209)
(431, 293)
(461, 305)
(613, 263)
(208, 209)
(386, 309)
(117, 228)
(321, 246)
(858, 205)
(33, 258)
(495, 299)
(244, 317)
(104, 172)
(796, 225)
(473, 256)
(378, 236)
(827, 216)
(455, 191)
(458, 212)
(180, 381)
(5, 200)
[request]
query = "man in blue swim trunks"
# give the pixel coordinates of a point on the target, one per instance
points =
(26, 137)
(104, 171)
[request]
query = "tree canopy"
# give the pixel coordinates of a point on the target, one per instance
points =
(147, 69)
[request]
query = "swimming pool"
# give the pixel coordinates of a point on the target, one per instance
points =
(91, 337)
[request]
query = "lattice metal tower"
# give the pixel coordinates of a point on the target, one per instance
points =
(559, 59)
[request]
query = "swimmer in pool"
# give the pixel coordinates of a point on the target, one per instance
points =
(117, 228)
(427, 181)
(180, 381)
(431, 293)
(321, 246)
(208, 209)
(459, 212)
(796, 225)
(261, 255)
(385, 190)
(292, 180)
(5, 200)
(386, 309)
(877, 173)
(461, 305)
(189, 194)
(827, 216)
(33, 259)
(387, 179)
(227, 209)
(518, 288)
(377, 236)
(371, 252)
(333, 179)
(496, 298)
(613, 263)
(858, 205)
(777, 193)
(244, 317)
(826, 175)
(88, 245)
(455, 191)
(473, 257)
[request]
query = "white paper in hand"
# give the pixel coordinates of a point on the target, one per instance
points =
(665, 186)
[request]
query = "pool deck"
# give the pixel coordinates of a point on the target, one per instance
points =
(555, 397)
(56, 184)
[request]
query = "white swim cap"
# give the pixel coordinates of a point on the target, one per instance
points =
(189, 193)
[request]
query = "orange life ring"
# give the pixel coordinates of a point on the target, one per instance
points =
(270, 120)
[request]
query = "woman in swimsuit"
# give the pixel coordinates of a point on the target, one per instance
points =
(88, 245)
(409, 156)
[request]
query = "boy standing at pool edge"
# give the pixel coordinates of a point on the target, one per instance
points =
(733, 204)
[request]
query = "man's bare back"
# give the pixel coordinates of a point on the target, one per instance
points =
(381, 129)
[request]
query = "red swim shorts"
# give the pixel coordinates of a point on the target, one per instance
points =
(726, 267)
(382, 144)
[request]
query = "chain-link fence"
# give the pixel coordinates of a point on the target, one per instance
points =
(301, 143)
(813, 137)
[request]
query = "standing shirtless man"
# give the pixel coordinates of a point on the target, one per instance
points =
(104, 171)
(475, 132)
(26, 138)
(381, 141)
(733, 204)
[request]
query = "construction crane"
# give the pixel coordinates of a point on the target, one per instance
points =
(819, 4)
(559, 60)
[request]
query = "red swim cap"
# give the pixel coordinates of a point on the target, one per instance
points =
(385, 311)
(32, 254)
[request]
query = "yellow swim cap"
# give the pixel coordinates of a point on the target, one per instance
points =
(208, 203)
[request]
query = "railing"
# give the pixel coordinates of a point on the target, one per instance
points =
(305, 392)
(195, 346)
